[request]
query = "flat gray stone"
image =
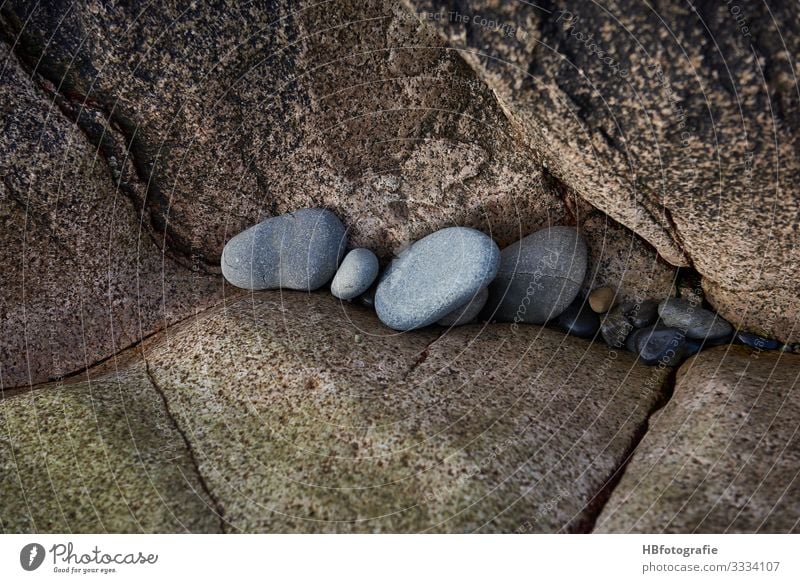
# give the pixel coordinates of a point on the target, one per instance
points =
(299, 250)
(539, 276)
(436, 275)
(355, 275)
(467, 313)
(696, 321)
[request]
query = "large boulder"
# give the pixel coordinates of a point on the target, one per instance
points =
(98, 456)
(140, 140)
(681, 122)
(722, 455)
(82, 277)
(304, 414)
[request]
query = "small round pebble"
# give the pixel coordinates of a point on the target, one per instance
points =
(436, 275)
(539, 277)
(601, 300)
(579, 319)
(357, 272)
(467, 313)
(697, 322)
(299, 250)
(657, 344)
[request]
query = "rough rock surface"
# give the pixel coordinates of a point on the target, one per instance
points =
(307, 415)
(81, 277)
(99, 456)
(722, 455)
(686, 130)
(187, 125)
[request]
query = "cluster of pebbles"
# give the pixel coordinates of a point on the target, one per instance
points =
(458, 276)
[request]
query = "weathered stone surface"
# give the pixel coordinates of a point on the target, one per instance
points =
(99, 456)
(305, 416)
(192, 136)
(686, 131)
(722, 455)
(81, 279)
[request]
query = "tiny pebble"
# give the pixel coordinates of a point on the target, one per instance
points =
(601, 300)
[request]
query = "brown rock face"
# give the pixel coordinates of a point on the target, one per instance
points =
(82, 278)
(139, 143)
(306, 414)
(682, 124)
(723, 454)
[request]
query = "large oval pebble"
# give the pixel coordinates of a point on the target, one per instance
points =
(539, 276)
(436, 275)
(299, 250)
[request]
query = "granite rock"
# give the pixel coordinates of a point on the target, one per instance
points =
(99, 456)
(722, 455)
(296, 428)
(680, 174)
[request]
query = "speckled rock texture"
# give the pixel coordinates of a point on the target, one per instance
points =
(81, 277)
(98, 457)
(182, 126)
(306, 414)
(722, 455)
(686, 129)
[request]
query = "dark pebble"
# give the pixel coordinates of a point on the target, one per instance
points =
(644, 315)
(658, 344)
(615, 326)
(757, 341)
(579, 319)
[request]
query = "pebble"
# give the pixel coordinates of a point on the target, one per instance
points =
(616, 326)
(644, 315)
(539, 276)
(697, 322)
(299, 250)
(601, 300)
(656, 344)
(756, 341)
(579, 319)
(467, 313)
(357, 272)
(436, 275)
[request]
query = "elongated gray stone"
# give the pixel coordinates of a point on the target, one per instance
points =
(299, 250)
(697, 322)
(436, 275)
(539, 276)
(356, 273)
